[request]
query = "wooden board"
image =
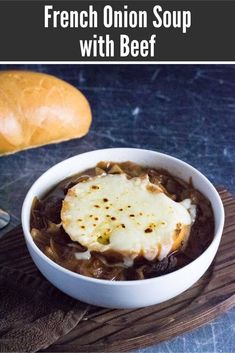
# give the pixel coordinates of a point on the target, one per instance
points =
(106, 330)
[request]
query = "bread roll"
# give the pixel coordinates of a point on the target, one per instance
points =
(37, 109)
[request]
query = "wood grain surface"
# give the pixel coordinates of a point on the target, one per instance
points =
(107, 330)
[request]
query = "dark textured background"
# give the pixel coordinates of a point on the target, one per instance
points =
(187, 111)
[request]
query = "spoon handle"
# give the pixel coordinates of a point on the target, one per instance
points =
(4, 218)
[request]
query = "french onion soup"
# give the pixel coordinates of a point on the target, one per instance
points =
(122, 221)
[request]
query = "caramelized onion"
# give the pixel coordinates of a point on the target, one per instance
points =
(50, 237)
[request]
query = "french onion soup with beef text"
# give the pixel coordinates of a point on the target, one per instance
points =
(122, 221)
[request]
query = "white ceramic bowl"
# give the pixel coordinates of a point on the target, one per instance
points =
(123, 294)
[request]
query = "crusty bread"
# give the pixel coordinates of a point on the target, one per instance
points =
(37, 109)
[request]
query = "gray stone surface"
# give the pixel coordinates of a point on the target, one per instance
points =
(185, 111)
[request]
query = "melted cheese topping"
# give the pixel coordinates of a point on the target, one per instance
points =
(130, 216)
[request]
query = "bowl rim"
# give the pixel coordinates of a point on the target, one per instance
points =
(29, 239)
